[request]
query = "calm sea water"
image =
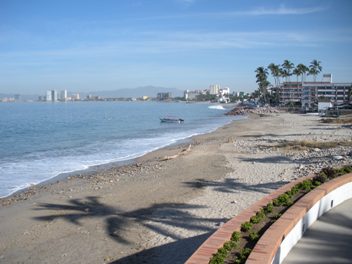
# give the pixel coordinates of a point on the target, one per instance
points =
(39, 141)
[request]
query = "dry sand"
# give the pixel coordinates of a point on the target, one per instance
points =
(155, 211)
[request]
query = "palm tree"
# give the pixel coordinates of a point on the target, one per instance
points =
(287, 67)
(262, 80)
(314, 69)
(303, 69)
(275, 72)
(297, 72)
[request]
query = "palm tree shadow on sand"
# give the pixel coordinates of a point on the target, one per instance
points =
(157, 218)
(231, 185)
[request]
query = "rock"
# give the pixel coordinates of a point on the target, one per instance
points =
(316, 149)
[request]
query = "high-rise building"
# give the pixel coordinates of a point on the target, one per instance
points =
(63, 95)
(54, 95)
(214, 89)
(164, 96)
(51, 96)
(48, 96)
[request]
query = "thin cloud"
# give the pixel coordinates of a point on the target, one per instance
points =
(186, 2)
(260, 11)
(283, 10)
(173, 42)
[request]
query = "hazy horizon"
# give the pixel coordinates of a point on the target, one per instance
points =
(184, 44)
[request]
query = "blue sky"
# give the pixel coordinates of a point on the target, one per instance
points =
(87, 45)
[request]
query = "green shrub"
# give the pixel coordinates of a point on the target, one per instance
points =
(236, 236)
(283, 199)
(321, 177)
(219, 256)
(348, 169)
(253, 236)
(305, 185)
(268, 208)
(342, 171)
(259, 216)
(242, 256)
(329, 172)
(294, 190)
(246, 226)
(229, 245)
(316, 183)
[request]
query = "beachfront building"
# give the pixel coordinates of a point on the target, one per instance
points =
(48, 96)
(63, 95)
(308, 94)
(194, 94)
(164, 96)
(224, 95)
(214, 89)
(51, 96)
(221, 95)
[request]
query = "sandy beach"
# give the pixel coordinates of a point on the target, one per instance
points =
(161, 207)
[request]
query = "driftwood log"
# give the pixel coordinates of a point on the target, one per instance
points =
(182, 152)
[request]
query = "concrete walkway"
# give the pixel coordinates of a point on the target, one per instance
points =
(328, 240)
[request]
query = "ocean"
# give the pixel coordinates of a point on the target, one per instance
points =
(42, 140)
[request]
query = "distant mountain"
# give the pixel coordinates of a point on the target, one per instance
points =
(150, 91)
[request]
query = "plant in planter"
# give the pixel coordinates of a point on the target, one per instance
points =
(236, 236)
(268, 208)
(246, 226)
(239, 247)
(253, 236)
(283, 199)
(259, 216)
(242, 256)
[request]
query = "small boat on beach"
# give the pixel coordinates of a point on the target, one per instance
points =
(170, 119)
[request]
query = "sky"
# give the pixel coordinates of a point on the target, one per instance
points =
(86, 45)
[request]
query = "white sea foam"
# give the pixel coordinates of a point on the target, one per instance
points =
(217, 107)
(78, 146)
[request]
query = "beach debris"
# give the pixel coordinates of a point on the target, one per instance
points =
(337, 157)
(182, 152)
(108, 259)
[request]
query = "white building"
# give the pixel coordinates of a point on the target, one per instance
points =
(224, 91)
(308, 94)
(63, 95)
(214, 89)
(48, 96)
(192, 95)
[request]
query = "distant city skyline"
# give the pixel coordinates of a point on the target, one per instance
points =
(185, 44)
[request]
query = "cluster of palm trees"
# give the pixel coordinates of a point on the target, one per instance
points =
(284, 72)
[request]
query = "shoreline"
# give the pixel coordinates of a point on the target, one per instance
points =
(91, 170)
(157, 210)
